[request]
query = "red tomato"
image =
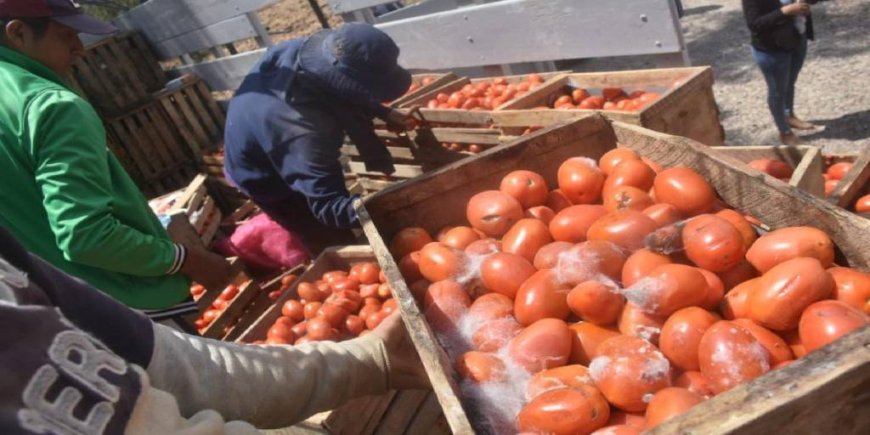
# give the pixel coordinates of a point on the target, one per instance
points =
(282, 332)
(481, 367)
(685, 189)
(611, 94)
(310, 310)
(778, 350)
(830, 186)
(596, 302)
(585, 339)
(445, 303)
(542, 213)
(729, 356)
(627, 370)
(375, 319)
(852, 287)
(294, 310)
(695, 382)
(349, 284)
(663, 214)
(741, 224)
(197, 290)
(439, 262)
(640, 264)
(668, 288)
(786, 290)
(542, 345)
(319, 329)
(668, 403)
(369, 273)
(862, 205)
(309, 292)
(525, 238)
(504, 273)
(631, 172)
(354, 325)
(557, 201)
(626, 198)
(570, 376)
(588, 260)
(333, 314)
(713, 243)
(635, 322)
(409, 240)
(527, 187)
(774, 168)
(825, 321)
(493, 212)
(495, 334)
(681, 335)
(483, 247)
(579, 95)
(565, 411)
(229, 293)
(541, 296)
(715, 290)
(614, 157)
(838, 170)
(580, 180)
(625, 228)
(490, 306)
(619, 429)
(738, 274)
(784, 244)
(572, 223)
(736, 302)
(460, 237)
(548, 256)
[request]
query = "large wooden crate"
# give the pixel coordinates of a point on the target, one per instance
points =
(806, 160)
(118, 73)
(822, 393)
(397, 412)
(687, 106)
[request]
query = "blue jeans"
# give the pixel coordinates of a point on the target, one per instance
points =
(781, 69)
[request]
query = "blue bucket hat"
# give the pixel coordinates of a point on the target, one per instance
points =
(356, 59)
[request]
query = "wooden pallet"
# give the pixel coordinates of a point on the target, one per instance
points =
(686, 108)
(118, 73)
(438, 199)
(188, 102)
(806, 160)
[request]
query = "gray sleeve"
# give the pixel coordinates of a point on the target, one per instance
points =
(267, 386)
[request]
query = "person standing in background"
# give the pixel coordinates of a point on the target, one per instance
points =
(780, 30)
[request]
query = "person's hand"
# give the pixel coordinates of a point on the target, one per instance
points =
(798, 8)
(207, 268)
(406, 369)
(400, 120)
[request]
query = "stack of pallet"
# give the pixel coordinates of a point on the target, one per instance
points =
(159, 130)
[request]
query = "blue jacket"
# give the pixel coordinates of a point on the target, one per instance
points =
(284, 134)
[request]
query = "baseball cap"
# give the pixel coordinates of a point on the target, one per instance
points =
(66, 12)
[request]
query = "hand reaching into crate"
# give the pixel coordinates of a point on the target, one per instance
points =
(401, 120)
(406, 369)
(207, 268)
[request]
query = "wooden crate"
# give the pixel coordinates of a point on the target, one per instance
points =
(193, 212)
(686, 108)
(249, 290)
(397, 412)
(438, 81)
(855, 183)
(151, 149)
(118, 73)
(448, 87)
(806, 160)
(438, 199)
(188, 102)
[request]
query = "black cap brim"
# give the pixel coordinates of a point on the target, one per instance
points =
(84, 23)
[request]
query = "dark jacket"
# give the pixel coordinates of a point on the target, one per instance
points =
(771, 29)
(284, 134)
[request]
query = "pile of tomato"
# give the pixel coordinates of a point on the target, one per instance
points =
(217, 307)
(834, 174)
(339, 306)
(486, 94)
(621, 298)
(458, 147)
(415, 85)
(610, 99)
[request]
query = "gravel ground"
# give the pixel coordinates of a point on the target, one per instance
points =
(831, 89)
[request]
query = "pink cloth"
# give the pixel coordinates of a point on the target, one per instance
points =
(263, 244)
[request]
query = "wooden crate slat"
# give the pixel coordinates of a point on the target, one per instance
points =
(437, 199)
(429, 419)
(402, 171)
(401, 412)
(439, 81)
(805, 160)
(854, 183)
(247, 293)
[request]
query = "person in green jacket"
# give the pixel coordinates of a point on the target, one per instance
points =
(63, 195)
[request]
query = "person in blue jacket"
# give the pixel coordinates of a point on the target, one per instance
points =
(288, 119)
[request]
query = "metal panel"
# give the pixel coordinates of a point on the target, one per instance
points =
(160, 20)
(346, 6)
(225, 73)
(422, 8)
(227, 31)
(512, 31)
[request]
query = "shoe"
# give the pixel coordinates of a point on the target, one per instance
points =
(800, 124)
(790, 139)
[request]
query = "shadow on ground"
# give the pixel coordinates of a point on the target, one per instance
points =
(853, 126)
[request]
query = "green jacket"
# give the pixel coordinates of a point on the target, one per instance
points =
(66, 198)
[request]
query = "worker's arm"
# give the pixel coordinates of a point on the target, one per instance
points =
(71, 166)
(361, 131)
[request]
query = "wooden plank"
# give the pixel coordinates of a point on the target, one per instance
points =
(397, 152)
(401, 412)
(808, 174)
(805, 160)
(538, 96)
(260, 304)
(225, 73)
(477, 35)
(181, 231)
(247, 292)
(426, 419)
(227, 31)
(402, 171)
(823, 392)
(446, 87)
(480, 136)
(160, 20)
(347, 6)
(853, 184)
(439, 81)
